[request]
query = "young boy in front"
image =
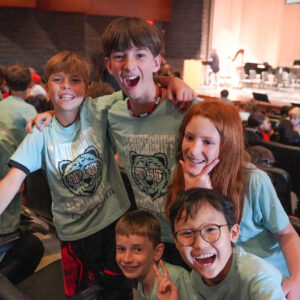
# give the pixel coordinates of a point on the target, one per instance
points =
(87, 191)
(202, 221)
(139, 249)
(146, 139)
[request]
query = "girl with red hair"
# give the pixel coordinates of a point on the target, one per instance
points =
(211, 154)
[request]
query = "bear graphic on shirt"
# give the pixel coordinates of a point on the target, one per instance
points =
(150, 173)
(83, 175)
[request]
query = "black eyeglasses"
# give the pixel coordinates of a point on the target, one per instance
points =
(210, 233)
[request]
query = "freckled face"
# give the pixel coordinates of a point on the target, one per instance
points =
(66, 91)
(200, 145)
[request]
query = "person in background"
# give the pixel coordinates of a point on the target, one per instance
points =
(294, 115)
(224, 97)
(18, 258)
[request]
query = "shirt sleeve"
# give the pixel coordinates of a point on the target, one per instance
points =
(29, 155)
(266, 288)
(268, 209)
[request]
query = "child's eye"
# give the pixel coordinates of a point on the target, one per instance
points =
(188, 137)
(208, 142)
(186, 233)
(56, 79)
(118, 57)
(120, 249)
(138, 250)
(76, 80)
(141, 55)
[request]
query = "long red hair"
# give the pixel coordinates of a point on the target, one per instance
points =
(227, 175)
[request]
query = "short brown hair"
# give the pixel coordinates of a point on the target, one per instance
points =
(17, 77)
(67, 62)
(141, 223)
(122, 33)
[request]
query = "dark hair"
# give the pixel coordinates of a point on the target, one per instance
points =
(39, 102)
(98, 89)
(224, 93)
(141, 223)
(67, 62)
(122, 33)
(17, 77)
(192, 200)
(2, 75)
(255, 119)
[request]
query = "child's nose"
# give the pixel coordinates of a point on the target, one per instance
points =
(65, 84)
(127, 256)
(199, 241)
(129, 63)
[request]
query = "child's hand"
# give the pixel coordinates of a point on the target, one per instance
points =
(202, 179)
(179, 93)
(166, 289)
(291, 289)
(41, 121)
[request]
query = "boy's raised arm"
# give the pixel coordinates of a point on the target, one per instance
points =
(9, 187)
(41, 121)
(178, 92)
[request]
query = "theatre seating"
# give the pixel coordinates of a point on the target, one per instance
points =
(9, 292)
(296, 223)
(287, 158)
(39, 195)
(281, 181)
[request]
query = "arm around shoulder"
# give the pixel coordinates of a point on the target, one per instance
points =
(9, 186)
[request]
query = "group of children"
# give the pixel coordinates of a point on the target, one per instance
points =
(196, 223)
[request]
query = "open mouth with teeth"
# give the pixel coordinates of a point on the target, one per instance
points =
(196, 161)
(131, 81)
(205, 259)
(128, 269)
(66, 97)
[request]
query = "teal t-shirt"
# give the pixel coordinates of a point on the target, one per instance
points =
(86, 187)
(146, 147)
(14, 114)
(179, 276)
(262, 217)
(249, 278)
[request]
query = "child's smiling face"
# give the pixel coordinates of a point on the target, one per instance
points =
(133, 69)
(210, 260)
(200, 145)
(66, 91)
(135, 255)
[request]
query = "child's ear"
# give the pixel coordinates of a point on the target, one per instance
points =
(108, 65)
(157, 61)
(159, 250)
(234, 233)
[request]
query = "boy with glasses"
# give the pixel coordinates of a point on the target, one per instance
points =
(202, 221)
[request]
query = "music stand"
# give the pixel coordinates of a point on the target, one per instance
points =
(261, 97)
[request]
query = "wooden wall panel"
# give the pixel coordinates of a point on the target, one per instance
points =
(18, 3)
(159, 10)
(79, 6)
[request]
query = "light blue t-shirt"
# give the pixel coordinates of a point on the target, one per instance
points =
(263, 215)
(14, 114)
(146, 147)
(179, 276)
(249, 278)
(86, 187)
